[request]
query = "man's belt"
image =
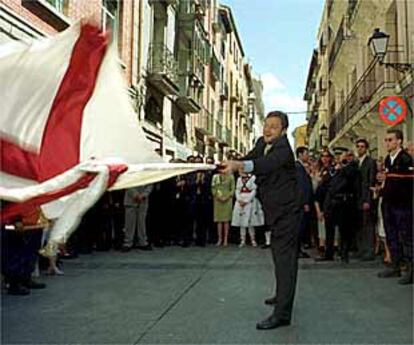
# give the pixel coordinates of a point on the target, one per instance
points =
(344, 196)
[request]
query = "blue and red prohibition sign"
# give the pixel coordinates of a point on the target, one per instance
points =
(392, 110)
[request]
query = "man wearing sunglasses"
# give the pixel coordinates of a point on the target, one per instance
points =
(397, 207)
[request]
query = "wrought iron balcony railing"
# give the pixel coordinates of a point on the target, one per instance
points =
(375, 78)
(162, 62)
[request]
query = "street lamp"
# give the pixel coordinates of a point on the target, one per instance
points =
(378, 44)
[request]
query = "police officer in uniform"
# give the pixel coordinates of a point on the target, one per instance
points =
(340, 206)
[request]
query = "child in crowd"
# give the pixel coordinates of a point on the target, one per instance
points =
(247, 212)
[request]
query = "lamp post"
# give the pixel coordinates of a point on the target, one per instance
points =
(378, 44)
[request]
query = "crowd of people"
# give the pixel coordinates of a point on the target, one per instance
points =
(351, 203)
(354, 203)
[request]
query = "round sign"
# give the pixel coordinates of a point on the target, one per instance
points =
(392, 110)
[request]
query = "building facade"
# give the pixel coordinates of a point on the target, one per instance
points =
(346, 82)
(300, 136)
(182, 59)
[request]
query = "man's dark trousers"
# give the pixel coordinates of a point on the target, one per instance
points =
(398, 224)
(366, 234)
(341, 215)
(284, 245)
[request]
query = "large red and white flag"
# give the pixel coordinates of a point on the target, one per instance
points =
(67, 128)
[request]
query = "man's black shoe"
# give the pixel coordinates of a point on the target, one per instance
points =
(271, 323)
(270, 301)
(125, 249)
(147, 247)
(345, 260)
(367, 258)
(323, 258)
(18, 290)
(265, 246)
(408, 278)
(389, 273)
(31, 284)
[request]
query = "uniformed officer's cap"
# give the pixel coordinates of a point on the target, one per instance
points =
(339, 150)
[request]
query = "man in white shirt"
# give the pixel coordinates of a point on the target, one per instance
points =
(397, 196)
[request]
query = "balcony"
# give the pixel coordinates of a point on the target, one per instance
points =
(215, 66)
(234, 98)
(329, 5)
(229, 137)
(337, 44)
(204, 122)
(190, 10)
(166, 2)
(352, 9)
(224, 91)
(236, 143)
(189, 97)
(375, 79)
(312, 120)
(219, 133)
(322, 87)
(163, 69)
(323, 44)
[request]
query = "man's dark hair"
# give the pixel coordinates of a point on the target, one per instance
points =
(300, 150)
(282, 116)
(364, 141)
(398, 133)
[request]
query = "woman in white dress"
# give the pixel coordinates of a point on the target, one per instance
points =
(247, 212)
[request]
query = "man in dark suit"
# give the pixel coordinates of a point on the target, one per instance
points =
(367, 179)
(397, 206)
(305, 185)
(273, 163)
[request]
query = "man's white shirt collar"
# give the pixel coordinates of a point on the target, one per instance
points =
(393, 156)
(361, 159)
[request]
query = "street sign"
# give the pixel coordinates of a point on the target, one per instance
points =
(392, 110)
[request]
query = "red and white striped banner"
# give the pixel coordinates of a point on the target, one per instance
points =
(66, 119)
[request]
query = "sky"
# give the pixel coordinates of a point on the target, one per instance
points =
(278, 37)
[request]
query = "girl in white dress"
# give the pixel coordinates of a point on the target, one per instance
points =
(247, 212)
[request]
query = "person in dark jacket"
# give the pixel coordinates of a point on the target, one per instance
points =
(273, 163)
(340, 207)
(203, 199)
(21, 239)
(325, 171)
(305, 185)
(397, 206)
(366, 208)
(190, 206)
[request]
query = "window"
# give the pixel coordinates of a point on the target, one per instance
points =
(110, 18)
(58, 4)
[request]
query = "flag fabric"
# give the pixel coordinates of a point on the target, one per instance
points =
(68, 130)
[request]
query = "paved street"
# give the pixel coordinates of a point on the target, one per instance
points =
(205, 296)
